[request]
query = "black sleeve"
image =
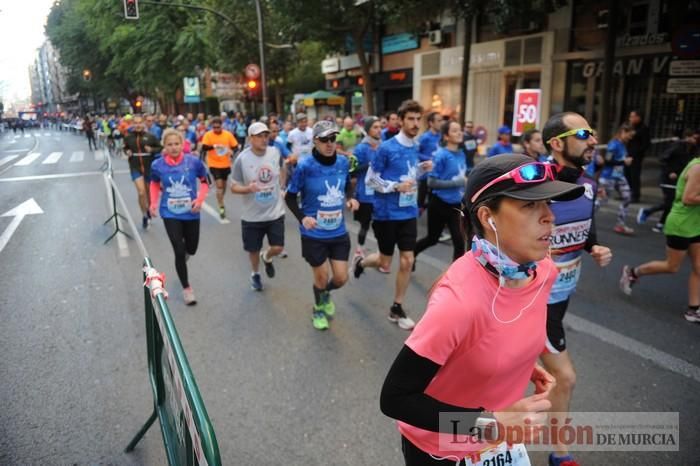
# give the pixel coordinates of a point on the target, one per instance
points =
(403, 395)
(592, 239)
(155, 145)
(348, 188)
(293, 205)
(207, 147)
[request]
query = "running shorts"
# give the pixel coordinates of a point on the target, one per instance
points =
(390, 233)
(254, 232)
(220, 173)
(680, 243)
(364, 213)
(556, 338)
(318, 251)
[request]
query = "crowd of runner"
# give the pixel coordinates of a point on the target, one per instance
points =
(519, 224)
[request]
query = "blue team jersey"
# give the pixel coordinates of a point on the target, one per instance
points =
(322, 189)
(284, 151)
(573, 222)
(448, 165)
(428, 143)
(364, 154)
(178, 186)
(157, 131)
(616, 152)
(398, 163)
(500, 148)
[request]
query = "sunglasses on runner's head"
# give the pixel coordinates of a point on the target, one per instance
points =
(326, 139)
(580, 133)
(535, 172)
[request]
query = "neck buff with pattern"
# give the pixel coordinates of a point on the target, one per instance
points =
(498, 263)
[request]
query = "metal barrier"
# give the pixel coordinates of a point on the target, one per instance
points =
(188, 435)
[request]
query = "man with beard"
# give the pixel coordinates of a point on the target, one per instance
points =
(393, 174)
(571, 141)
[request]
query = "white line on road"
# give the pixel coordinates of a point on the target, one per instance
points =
(15, 150)
(121, 239)
(214, 213)
(27, 136)
(99, 155)
(47, 134)
(77, 156)
(28, 159)
(53, 157)
(12, 141)
(57, 176)
(644, 351)
(7, 159)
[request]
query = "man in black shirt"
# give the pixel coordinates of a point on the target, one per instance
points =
(637, 149)
(673, 161)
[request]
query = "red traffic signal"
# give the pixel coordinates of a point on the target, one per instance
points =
(131, 9)
(252, 84)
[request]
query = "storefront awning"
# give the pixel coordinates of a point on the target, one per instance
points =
(319, 98)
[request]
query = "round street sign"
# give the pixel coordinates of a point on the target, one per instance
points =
(252, 71)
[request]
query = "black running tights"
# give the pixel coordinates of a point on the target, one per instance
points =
(440, 214)
(184, 236)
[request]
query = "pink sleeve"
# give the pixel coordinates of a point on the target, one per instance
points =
(203, 191)
(154, 192)
(444, 326)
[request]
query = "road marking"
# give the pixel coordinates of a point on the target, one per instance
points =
(121, 239)
(58, 176)
(28, 207)
(214, 213)
(28, 159)
(46, 134)
(15, 150)
(642, 350)
(12, 141)
(77, 156)
(27, 136)
(99, 155)
(7, 159)
(53, 158)
(635, 347)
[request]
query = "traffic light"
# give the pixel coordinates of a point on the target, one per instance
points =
(87, 75)
(252, 85)
(131, 9)
(139, 103)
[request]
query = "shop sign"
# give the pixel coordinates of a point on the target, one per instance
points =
(642, 40)
(191, 88)
(630, 67)
(684, 68)
(683, 86)
(338, 75)
(399, 43)
(330, 65)
(527, 110)
(349, 62)
(398, 76)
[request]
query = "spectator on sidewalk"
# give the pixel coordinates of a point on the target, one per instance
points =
(637, 149)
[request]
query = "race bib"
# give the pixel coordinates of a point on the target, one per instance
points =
(221, 150)
(265, 196)
(329, 219)
(179, 205)
(568, 275)
(408, 199)
(502, 455)
(470, 144)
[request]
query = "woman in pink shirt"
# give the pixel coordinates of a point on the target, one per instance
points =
(467, 365)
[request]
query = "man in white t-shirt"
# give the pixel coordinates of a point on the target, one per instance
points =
(258, 176)
(301, 137)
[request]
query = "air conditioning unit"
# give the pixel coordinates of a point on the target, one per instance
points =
(435, 37)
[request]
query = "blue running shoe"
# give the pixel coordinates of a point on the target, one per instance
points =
(256, 282)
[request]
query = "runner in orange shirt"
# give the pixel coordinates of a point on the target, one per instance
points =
(219, 145)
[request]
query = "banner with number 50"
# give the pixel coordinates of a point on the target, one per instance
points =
(527, 110)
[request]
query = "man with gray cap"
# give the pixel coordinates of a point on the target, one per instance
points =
(323, 181)
(258, 176)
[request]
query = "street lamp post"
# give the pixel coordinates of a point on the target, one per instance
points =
(261, 45)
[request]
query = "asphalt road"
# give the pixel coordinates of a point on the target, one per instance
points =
(73, 378)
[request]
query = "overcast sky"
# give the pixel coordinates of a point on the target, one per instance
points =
(21, 33)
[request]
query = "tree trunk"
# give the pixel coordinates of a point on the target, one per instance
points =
(466, 57)
(608, 65)
(359, 38)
